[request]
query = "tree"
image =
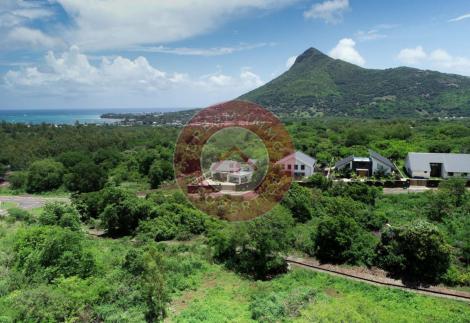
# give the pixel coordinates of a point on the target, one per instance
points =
(299, 201)
(415, 253)
(85, 177)
(161, 170)
(456, 188)
(123, 211)
(340, 239)
(256, 247)
(44, 175)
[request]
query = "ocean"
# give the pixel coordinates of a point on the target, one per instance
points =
(67, 116)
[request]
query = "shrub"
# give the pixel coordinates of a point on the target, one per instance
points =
(299, 201)
(256, 247)
(46, 253)
(160, 171)
(44, 175)
(340, 239)
(61, 214)
(20, 215)
(415, 253)
(18, 180)
(85, 177)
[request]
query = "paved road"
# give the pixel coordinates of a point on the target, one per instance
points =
(29, 202)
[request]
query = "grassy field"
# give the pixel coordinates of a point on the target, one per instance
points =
(306, 296)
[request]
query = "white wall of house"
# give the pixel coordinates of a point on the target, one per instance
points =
(302, 169)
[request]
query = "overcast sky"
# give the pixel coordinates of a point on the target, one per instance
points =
(193, 53)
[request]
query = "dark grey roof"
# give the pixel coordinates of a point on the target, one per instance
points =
(458, 163)
(381, 159)
(344, 161)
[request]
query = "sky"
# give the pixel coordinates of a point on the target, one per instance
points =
(89, 54)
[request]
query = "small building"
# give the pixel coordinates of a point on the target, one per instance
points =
(366, 166)
(427, 165)
(232, 171)
(298, 164)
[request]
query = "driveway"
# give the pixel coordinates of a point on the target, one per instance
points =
(29, 202)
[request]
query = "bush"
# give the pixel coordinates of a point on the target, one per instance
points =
(44, 175)
(46, 253)
(18, 180)
(61, 214)
(160, 171)
(256, 247)
(340, 239)
(415, 253)
(171, 220)
(85, 177)
(299, 201)
(122, 212)
(20, 215)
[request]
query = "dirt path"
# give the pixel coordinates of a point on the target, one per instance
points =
(29, 202)
(376, 277)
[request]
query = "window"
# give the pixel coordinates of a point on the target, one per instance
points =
(289, 166)
(302, 167)
(464, 174)
(425, 171)
(450, 173)
(296, 167)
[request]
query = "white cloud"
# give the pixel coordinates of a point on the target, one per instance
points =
(72, 73)
(331, 11)
(213, 51)
(467, 16)
(290, 61)
(412, 55)
(346, 51)
(104, 25)
(438, 59)
(23, 36)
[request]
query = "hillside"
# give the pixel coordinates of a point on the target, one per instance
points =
(318, 84)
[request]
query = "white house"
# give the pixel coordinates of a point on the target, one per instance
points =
(299, 164)
(427, 165)
(232, 171)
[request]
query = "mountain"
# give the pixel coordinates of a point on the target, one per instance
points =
(319, 85)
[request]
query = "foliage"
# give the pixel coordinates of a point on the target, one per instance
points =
(299, 201)
(415, 253)
(340, 239)
(85, 177)
(46, 253)
(256, 247)
(61, 214)
(160, 171)
(18, 180)
(44, 175)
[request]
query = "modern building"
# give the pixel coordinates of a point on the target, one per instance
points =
(298, 164)
(232, 171)
(427, 165)
(367, 166)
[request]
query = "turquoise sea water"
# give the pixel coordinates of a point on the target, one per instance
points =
(65, 116)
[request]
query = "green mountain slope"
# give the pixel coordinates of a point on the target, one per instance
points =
(318, 84)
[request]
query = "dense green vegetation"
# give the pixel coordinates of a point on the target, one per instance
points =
(114, 255)
(319, 85)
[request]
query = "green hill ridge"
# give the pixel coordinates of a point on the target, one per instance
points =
(319, 85)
